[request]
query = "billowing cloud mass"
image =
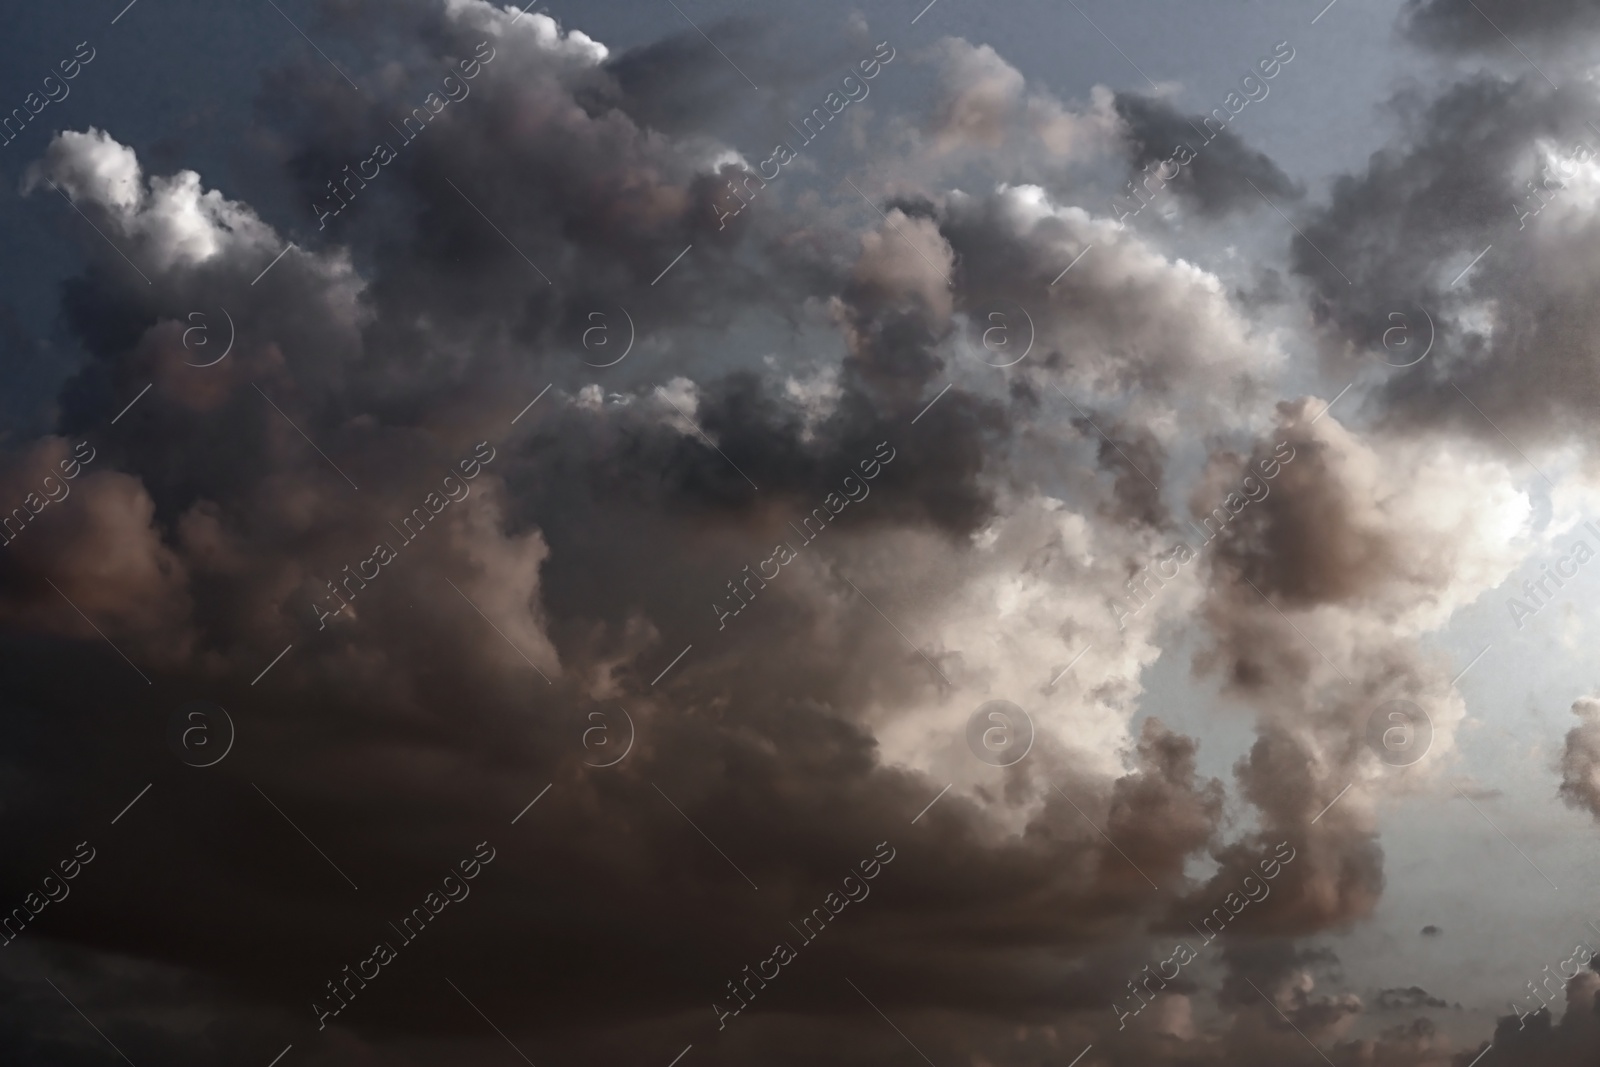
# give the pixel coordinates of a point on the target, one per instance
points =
(1580, 759)
(672, 564)
(1218, 180)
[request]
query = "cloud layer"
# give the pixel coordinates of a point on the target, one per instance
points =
(481, 506)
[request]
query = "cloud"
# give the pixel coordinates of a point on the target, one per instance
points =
(1217, 182)
(1488, 24)
(174, 223)
(1398, 239)
(1410, 998)
(1580, 759)
(418, 703)
(985, 104)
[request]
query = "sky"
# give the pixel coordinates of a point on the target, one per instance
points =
(687, 533)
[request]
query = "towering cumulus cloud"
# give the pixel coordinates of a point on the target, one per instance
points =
(396, 448)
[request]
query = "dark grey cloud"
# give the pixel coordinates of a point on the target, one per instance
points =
(207, 533)
(1217, 181)
(1394, 240)
(1487, 24)
(1580, 759)
(1410, 998)
(676, 84)
(424, 715)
